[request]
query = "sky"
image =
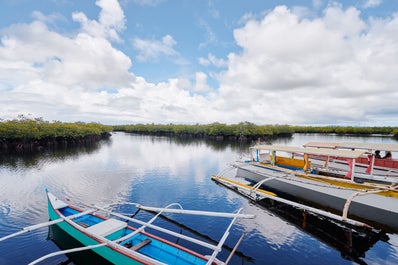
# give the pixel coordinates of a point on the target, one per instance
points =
(115, 62)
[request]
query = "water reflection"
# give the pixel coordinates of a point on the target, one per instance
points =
(64, 241)
(159, 170)
(351, 242)
(15, 160)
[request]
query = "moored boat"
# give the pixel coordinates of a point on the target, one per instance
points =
(292, 177)
(119, 243)
(352, 238)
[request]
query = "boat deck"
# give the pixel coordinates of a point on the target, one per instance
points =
(115, 229)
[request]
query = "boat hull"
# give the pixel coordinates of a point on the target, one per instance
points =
(158, 251)
(105, 252)
(380, 211)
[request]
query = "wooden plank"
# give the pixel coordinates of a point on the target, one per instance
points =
(141, 244)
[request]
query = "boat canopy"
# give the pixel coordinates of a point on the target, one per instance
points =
(354, 145)
(311, 151)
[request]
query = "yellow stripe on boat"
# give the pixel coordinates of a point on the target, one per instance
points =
(341, 183)
(292, 162)
(237, 183)
(365, 186)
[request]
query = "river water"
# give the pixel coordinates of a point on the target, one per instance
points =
(157, 171)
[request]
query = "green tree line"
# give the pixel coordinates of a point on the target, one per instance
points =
(24, 129)
(346, 130)
(243, 129)
(250, 130)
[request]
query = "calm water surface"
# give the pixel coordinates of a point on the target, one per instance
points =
(157, 171)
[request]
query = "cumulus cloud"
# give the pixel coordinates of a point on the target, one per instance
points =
(201, 82)
(292, 68)
(52, 75)
(331, 69)
(111, 20)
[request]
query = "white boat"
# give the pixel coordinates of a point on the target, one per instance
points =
(351, 238)
(374, 203)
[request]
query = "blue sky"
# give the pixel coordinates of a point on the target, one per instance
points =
(186, 62)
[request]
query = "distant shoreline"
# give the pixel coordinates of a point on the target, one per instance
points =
(25, 134)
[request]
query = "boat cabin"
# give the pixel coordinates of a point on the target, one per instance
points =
(384, 161)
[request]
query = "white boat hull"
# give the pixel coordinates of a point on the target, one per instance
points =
(372, 208)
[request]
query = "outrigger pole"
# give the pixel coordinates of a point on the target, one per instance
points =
(53, 254)
(41, 225)
(192, 212)
(227, 183)
(193, 240)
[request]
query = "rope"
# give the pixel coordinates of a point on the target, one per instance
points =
(356, 194)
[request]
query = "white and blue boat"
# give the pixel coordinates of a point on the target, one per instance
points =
(119, 243)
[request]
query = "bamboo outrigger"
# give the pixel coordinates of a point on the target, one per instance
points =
(350, 237)
(255, 193)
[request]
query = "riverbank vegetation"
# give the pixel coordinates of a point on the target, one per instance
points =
(219, 131)
(247, 130)
(347, 130)
(29, 134)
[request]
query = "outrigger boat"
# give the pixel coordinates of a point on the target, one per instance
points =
(351, 238)
(293, 180)
(116, 241)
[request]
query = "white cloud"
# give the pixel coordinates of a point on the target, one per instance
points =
(210, 36)
(212, 60)
(153, 49)
(148, 2)
(47, 19)
(344, 22)
(335, 69)
(111, 20)
(201, 82)
(317, 3)
(55, 76)
(372, 3)
(293, 68)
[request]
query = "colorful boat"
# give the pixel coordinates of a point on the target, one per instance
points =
(119, 243)
(292, 177)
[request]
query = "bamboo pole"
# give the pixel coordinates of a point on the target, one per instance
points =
(66, 252)
(45, 224)
(300, 206)
(193, 240)
(193, 212)
(235, 248)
